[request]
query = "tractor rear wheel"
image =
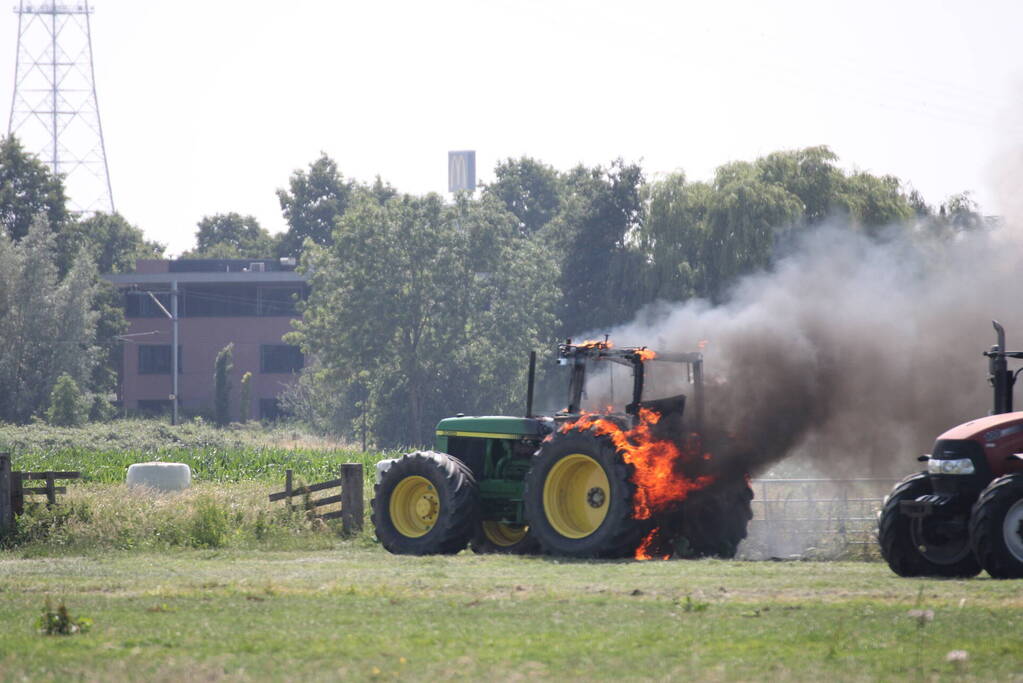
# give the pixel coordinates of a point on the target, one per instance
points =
(927, 546)
(996, 527)
(578, 498)
(501, 537)
(715, 519)
(426, 503)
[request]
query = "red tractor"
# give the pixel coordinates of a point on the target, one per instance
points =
(964, 513)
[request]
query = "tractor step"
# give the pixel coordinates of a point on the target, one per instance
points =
(924, 506)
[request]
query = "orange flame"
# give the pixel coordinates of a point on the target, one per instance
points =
(643, 551)
(596, 344)
(646, 354)
(657, 464)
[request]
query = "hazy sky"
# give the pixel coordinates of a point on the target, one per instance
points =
(209, 106)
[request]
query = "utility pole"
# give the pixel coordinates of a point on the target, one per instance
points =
(54, 110)
(174, 347)
(172, 314)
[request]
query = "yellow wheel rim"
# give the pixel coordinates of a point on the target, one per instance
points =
(502, 534)
(576, 496)
(414, 506)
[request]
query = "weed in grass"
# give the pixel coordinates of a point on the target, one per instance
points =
(690, 605)
(59, 622)
(210, 525)
(162, 607)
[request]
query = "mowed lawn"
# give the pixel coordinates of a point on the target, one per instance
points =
(356, 612)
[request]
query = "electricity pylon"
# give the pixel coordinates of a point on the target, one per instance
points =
(54, 112)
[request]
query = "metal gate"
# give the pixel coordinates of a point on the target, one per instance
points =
(815, 518)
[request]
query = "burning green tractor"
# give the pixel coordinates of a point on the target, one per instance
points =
(640, 481)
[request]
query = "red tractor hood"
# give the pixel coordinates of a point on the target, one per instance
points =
(1000, 438)
(977, 429)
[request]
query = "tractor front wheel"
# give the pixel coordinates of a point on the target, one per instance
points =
(425, 503)
(578, 498)
(929, 546)
(996, 527)
(501, 537)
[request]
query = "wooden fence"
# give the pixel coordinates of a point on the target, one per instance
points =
(349, 496)
(13, 490)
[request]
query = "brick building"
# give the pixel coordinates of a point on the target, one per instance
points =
(250, 303)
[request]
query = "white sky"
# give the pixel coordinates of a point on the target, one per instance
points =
(209, 106)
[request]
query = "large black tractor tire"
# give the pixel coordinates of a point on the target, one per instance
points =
(714, 519)
(909, 546)
(499, 537)
(426, 503)
(578, 498)
(996, 527)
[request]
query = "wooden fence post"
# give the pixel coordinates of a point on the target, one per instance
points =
(351, 497)
(51, 490)
(287, 487)
(6, 495)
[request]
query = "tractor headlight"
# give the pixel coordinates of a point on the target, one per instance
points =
(960, 466)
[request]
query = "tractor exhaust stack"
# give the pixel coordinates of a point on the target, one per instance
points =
(531, 384)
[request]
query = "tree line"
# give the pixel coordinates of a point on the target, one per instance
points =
(419, 307)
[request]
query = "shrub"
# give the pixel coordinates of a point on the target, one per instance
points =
(222, 385)
(101, 409)
(67, 405)
(245, 400)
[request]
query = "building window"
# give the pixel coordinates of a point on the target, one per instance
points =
(218, 301)
(270, 409)
(280, 358)
(155, 359)
(278, 300)
(141, 305)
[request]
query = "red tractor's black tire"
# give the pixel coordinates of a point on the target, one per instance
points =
(619, 533)
(896, 536)
(998, 514)
(454, 493)
(503, 539)
(715, 519)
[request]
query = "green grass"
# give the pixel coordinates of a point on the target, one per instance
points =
(356, 612)
(92, 518)
(218, 583)
(103, 451)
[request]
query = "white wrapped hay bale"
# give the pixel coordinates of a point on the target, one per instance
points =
(161, 476)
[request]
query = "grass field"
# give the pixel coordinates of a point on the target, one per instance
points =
(219, 584)
(356, 612)
(102, 452)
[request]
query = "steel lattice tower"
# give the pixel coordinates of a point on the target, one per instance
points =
(54, 111)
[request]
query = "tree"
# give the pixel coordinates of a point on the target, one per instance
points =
(245, 400)
(27, 190)
(67, 405)
(113, 245)
(528, 189)
(222, 385)
(811, 174)
(962, 213)
(673, 237)
(599, 277)
(415, 310)
(231, 235)
(312, 204)
(112, 242)
(744, 218)
(876, 202)
(47, 323)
